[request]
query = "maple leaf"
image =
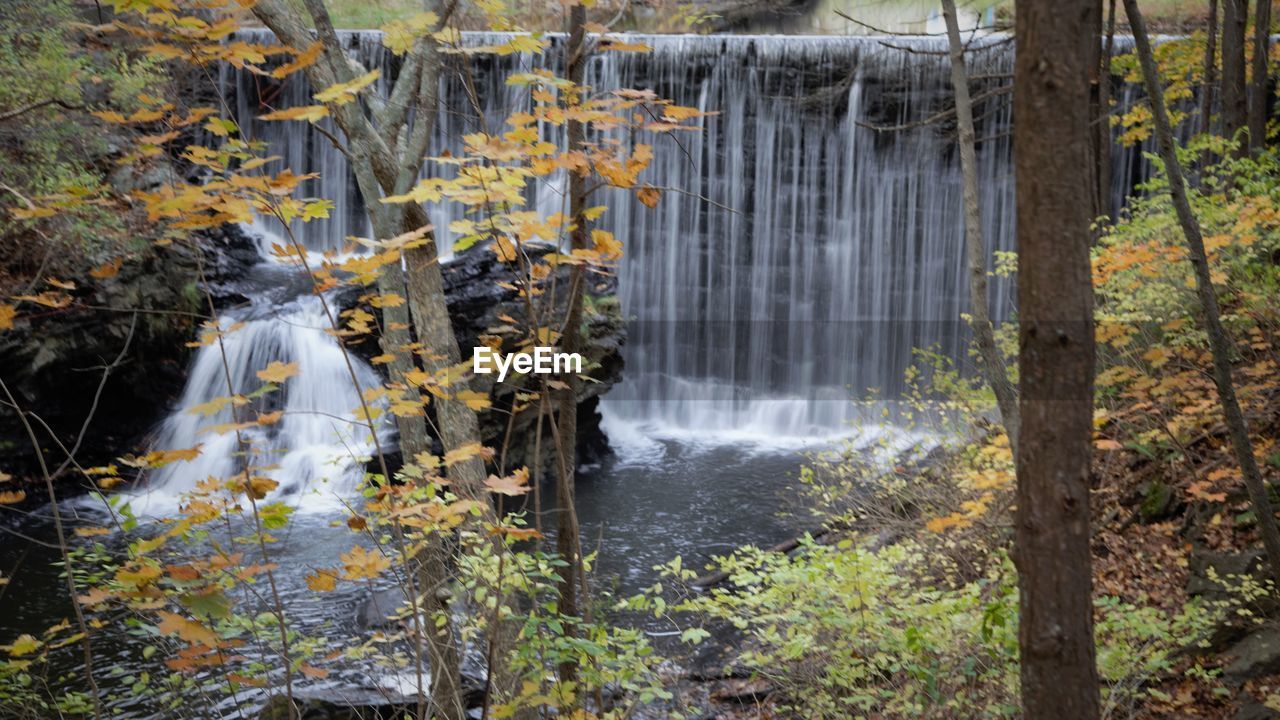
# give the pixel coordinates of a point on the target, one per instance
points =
(9, 497)
(360, 564)
(259, 486)
(47, 299)
(612, 45)
(24, 645)
(309, 113)
(7, 313)
(313, 672)
(322, 580)
(649, 195)
(474, 400)
(141, 575)
(107, 270)
(343, 93)
(277, 372)
(302, 59)
(518, 533)
(517, 483)
(188, 630)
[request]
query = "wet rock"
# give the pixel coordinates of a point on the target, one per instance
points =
(1251, 709)
(376, 610)
(1210, 572)
(1257, 654)
(477, 303)
(1158, 501)
(138, 323)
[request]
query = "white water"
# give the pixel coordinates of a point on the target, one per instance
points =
(316, 451)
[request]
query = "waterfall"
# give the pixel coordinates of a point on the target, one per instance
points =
(315, 450)
(798, 256)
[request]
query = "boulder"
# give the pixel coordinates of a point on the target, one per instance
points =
(1257, 654)
(1250, 709)
(479, 292)
(138, 322)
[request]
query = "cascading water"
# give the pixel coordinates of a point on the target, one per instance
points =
(315, 448)
(798, 255)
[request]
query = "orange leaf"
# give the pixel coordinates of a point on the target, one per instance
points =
(322, 581)
(190, 630)
(649, 195)
(107, 270)
(517, 483)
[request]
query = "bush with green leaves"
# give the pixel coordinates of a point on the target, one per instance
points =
(845, 631)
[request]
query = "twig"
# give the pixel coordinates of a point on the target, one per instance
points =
(937, 117)
(10, 114)
(66, 554)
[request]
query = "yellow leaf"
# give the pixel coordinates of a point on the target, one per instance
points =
(677, 113)
(649, 195)
(7, 313)
(461, 454)
(64, 284)
(505, 251)
(343, 93)
(107, 270)
(310, 113)
(474, 400)
(47, 299)
(360, 564)
(609, 44)
(259, 486)
(303, 59)
(322, 580)
(214, 406)
(24, 645)
(278, 372)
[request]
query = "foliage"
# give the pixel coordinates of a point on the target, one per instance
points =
(52, 75)
(848, 631)
(1156, 394)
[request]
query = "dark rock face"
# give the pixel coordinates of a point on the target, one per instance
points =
(138, 323)
(479, 292)
(474, 288)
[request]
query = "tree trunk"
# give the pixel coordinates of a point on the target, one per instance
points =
(993, 367)
(1235, 14)
(1261, 76)
(385, 160)
(1207, 86)
(568, 543)
(1220, 343)
(1103, 142)
(1053, 168)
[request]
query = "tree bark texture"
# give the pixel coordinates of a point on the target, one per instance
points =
(1056, 46)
